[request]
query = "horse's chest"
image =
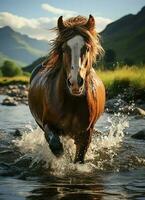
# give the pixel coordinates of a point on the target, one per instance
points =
(75, 120)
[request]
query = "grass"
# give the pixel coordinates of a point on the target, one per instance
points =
(14, 80)
(133, 75)
(131, 78)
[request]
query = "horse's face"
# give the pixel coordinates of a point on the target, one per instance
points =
(75, 57)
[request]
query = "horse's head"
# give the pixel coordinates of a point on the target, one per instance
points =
(78, 53)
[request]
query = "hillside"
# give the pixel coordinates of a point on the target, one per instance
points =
(30, 67)
(20, 48)
(4, 57)
(126, 37)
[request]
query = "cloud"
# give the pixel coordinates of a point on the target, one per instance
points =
(36, 28)
(101, 23)
(39, 28)
(57, 11)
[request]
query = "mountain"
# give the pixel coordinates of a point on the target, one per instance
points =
(20, 48)
(4, 57)
(126, 37)
(30, 67)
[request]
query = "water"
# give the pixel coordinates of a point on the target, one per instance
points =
(114, 168)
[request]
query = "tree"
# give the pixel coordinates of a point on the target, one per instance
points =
(110, 56)
(10, 69)
(110, 59)
(128, 61)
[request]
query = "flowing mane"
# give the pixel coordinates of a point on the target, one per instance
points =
(73, 26)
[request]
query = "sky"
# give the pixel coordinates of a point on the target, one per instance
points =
(36, 17)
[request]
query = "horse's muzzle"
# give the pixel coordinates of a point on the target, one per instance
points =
(75, 90)
(76, 86)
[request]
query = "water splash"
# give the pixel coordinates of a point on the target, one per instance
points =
(101, 151)
(115, 135)
(105, 146)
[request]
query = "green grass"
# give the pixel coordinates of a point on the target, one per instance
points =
(133, 75)
(14, 80)
(131, 78)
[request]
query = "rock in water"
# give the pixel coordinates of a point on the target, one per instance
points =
(114, 105)
(140, 111)
(139, 135)
(17, 133)
(9, 101)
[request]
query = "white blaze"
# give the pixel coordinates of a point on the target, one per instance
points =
(75, 44)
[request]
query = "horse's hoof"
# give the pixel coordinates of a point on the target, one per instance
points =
(77, 161)
(56, 146)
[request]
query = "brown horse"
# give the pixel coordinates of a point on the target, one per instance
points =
(66, 97)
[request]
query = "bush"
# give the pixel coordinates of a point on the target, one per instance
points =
(10, 69)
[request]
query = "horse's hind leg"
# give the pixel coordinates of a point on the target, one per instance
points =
(82, 142)
(53, 141)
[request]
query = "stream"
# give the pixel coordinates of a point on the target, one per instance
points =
(114, 167)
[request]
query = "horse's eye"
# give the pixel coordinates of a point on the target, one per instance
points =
(65, 49)
(87, 48)
(84, 49)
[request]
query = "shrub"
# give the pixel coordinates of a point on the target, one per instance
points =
(10, 69)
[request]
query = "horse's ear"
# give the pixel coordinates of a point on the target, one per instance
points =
(60, 23)
(90, 25)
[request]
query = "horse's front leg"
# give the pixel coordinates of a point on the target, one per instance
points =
(82, 142)
(53, 141)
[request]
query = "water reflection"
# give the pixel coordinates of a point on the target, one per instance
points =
(68, 191)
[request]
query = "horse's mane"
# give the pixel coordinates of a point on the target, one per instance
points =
(73, 26)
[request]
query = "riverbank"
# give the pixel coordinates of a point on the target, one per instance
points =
(6, 81)
(129, 82)
(125, 89)
(15, 94)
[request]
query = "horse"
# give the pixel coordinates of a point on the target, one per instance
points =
(66, 97)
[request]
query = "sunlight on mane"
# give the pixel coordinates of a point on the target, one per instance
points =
(74, 26)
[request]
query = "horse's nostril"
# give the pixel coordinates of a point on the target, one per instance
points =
(68, 82)
(80, 81)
